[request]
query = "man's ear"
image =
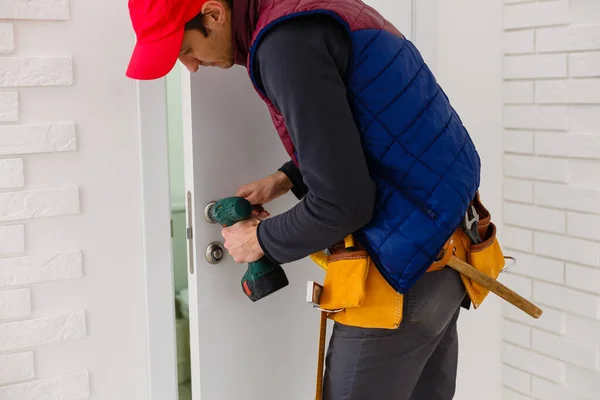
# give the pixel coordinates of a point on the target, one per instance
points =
(215, 12)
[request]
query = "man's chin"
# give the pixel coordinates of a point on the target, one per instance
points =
(225, 64)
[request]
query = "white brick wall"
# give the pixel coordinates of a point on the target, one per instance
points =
(25, 269)
(9, 106)
(12, 239)
(568, 38)
(39, 138)
(584, 64)
(527, 66)
(35, 9)
(580, 91)
(15, 303)
(7, 43)
(28, 333)
(515, 379)
(518, 92)
(552, 197)
(36, 71)
(16, 367)
(11, 173)
(40, 203)
(536, 14)
(73, 387)
(16, 271)
(518, 42)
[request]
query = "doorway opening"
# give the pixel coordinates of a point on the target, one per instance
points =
(178, 230)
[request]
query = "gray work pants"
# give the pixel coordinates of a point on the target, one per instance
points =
(417, 361)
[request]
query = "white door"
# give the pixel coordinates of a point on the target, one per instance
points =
(242, 350)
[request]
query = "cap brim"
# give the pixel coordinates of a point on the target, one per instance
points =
(154, 60)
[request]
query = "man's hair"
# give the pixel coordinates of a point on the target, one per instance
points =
(198, 22)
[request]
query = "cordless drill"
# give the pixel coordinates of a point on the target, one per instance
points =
(262, 277)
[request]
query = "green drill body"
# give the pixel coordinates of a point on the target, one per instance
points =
(262, 277)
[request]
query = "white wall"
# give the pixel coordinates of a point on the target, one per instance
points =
(552, 197)
(72, 311)
(469, 68)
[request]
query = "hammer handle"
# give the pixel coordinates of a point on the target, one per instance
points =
(494, 286)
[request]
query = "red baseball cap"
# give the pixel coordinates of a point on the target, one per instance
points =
(159, 27)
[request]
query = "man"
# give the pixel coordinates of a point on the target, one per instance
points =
(376, 150)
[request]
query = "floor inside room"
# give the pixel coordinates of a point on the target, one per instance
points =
(183, 348)
(185, 391)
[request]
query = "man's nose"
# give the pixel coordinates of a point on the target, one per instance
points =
(192, 67)
(190, 63)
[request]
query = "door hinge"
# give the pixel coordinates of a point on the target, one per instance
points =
(190, 233)
(172, 231)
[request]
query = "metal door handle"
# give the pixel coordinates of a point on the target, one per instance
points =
(215, 253)
(207, 212)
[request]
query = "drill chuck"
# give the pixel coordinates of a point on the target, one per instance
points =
(229, 210)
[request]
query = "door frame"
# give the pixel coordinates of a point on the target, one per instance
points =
(156, 211)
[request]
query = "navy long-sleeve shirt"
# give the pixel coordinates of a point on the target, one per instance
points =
(300, 65)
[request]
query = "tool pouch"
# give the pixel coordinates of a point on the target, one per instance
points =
(486, 256)
(354, 292)
(345, 280)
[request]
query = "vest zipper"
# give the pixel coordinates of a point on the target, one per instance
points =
(411, 199)
(415, 202)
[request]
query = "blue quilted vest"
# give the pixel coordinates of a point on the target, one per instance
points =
(420, 155)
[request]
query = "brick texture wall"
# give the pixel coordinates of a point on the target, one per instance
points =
(552, 198)
(23, 330)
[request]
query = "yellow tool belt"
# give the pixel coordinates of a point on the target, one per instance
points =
(356, 294)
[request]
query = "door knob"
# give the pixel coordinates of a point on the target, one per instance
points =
(214, 252)
(207, 212)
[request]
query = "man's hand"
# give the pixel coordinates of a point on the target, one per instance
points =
(264, 190)
(242, 242)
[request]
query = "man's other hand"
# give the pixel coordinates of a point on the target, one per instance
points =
(242, 242)
(264, 190)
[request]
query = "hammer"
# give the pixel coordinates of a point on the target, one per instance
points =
(494, 286)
